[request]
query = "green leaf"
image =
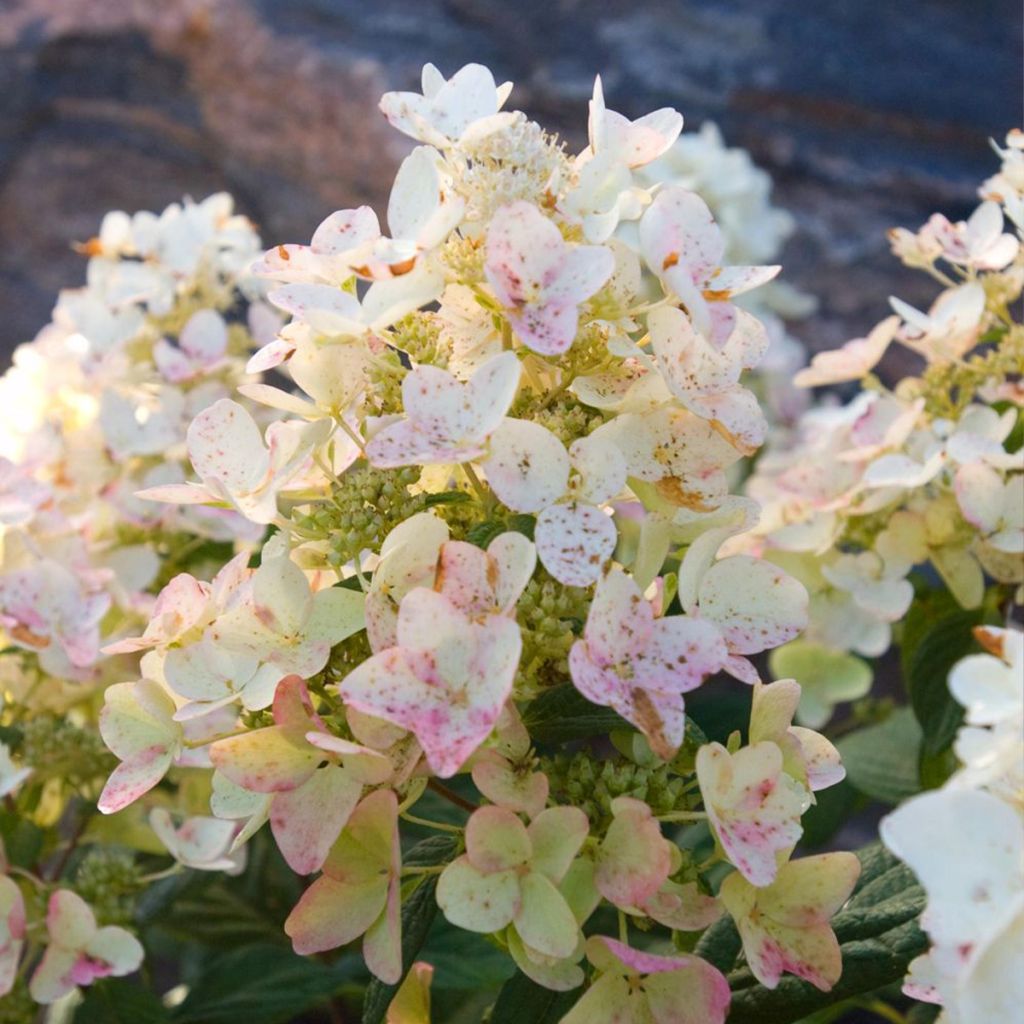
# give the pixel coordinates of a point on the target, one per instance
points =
(720, 944)
(936, 635)
(878, 934)
(22, 839)
(882, 760)
(465, 960)
(418, 912)
(483, 533)
(522, 1000)
(447, 498)
(260, 984)
(563, 713)
(117, 1001)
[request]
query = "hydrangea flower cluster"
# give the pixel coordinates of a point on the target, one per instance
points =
(511, 418)
(925, 478)
(94, 409)
(411, 543)
(965, 842)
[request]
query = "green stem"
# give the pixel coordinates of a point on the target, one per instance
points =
(427, 823)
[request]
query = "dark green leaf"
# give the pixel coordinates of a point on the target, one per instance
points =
(22, 839)
(12, 736)
(418, 912)
(465, 960)
(720, 944)
(936, 635)
(563, 713)
(522, 1000)
(483, 533)
(882, 760)
(118, 1001)
(447, 498)
(260, 984)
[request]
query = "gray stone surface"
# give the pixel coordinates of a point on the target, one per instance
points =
(869, 114)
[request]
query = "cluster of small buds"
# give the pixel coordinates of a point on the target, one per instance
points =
(550, 615)
(580, 781)
(57, 748)
(110, 881)
(364, 508)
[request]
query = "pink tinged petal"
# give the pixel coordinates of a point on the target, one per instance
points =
(53, 977)
(496, 840)
(634, 859)
(173, 364)
(69, 919)
(332, 913)
(133, 778)
(358, 875)
(504, 785)
(821, 759)
(574, 542)
(755, 604)
(382, 944)
(683, 907)
(475, 901)
(528, 467)
(525, 251)
(729, 281)
(742, 669)
(620, 620)
(679, 655)
(270, 355)
(548, 330)
(118, 950)
(225, 445)
(556, 975)
(695, 994)
(556, 836)
(308, 819)
(344, 230)
(981, 495)
(514, 558)
(450, 695)
(601, 467)
(584, 270)
(465, 577)
(753, 806)
(204, 337)
(678, 230)
(325, 308)
(610, 1000)
(364, 764)
(544, 921)
(265, 760)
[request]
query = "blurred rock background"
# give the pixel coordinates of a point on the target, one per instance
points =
(868, 114)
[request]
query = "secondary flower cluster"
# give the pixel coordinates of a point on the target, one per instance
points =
(926, 476)
(965, 842)
(92, 410)
(515, 415)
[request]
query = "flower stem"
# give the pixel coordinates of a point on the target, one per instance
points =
(427, 823)
(451, 796)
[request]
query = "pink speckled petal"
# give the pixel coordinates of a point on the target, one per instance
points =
(308, 819)
(574, 542)
(634, 860)
(528, 467)
(755, 604)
